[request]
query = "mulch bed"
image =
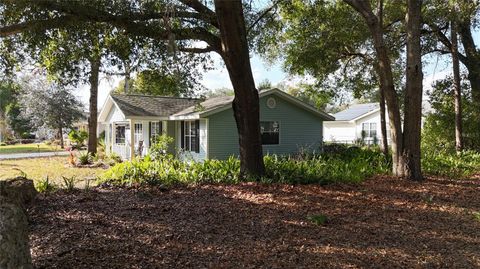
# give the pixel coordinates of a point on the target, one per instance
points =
(381, 223)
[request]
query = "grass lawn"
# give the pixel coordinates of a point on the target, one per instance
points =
(28, 148)
(40, 168)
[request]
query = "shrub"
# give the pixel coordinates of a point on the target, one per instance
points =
(2, 144)
(350, 166)
(450, 164)
(115, 158)
(160, 145)
(85, 158)
(26, 141)
(78, 137)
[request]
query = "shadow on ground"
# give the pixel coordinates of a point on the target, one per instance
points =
(382, 223)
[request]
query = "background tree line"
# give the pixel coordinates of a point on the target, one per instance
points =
(361, 46)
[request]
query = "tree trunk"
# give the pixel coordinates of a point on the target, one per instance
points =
(92, 119)
(60, 133)
(235, 54)
(383, 122)
(457, 89)
(14, 246)
(472, 58)
(386, 78)
(413, 93)
(127, 77)
(472, 63)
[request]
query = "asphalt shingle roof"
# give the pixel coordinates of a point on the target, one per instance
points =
(147, 105)
(355, 111)
(207, 105)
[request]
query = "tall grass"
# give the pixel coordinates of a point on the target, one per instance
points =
(352, 165)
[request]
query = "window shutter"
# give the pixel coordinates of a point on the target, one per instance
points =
(182, 134)
(160, 130)
(150, 133)
(197, 136)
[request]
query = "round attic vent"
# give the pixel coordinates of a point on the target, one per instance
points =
(271, 102)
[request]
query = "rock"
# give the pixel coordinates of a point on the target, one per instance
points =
(15, 194)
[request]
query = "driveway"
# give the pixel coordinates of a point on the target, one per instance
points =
(32, 155)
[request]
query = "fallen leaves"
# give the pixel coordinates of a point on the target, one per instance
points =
(381, 223)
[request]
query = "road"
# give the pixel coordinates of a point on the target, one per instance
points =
(32, 155)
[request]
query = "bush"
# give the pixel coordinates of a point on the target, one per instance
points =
(349, 166)
(2, 144)
(160, 146)
(115, 158)
(78, 137)
(26, 141)
(85, 158)
(450, 164)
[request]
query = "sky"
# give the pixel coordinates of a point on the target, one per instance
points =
(435, 68)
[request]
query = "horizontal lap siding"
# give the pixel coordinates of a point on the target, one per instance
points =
(298, 129)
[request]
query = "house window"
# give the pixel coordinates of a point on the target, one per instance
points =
(191, 136)
(369, 130)
(120, 134)
(270, 132)
(138, 132)
(155, 129)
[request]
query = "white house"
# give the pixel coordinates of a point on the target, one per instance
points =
(350, 123)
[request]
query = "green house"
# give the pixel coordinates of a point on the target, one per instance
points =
(206, 128)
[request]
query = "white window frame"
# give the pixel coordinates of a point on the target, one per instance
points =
(188, 131)
(369, 128)
(155, 129)
(138, 132)
(117, 133)
(278, 131)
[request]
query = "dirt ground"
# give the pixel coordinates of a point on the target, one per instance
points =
(381, 223)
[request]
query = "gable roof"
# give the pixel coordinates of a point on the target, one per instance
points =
(356, 111)
(152, 106)
(135, 105)
(209, 105)
(218, 104)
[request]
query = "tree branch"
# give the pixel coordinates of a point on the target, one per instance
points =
(196, 50)
(41, 25)
(262, 15)
(84, 10)
(202, 9)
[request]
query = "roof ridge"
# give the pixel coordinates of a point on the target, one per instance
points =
(154, 96)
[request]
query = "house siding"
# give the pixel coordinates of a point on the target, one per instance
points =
(349, 132)
(298, 129)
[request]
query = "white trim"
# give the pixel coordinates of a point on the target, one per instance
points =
(366, 114)
(279, 136)
(191, 117)
(207, 147)
(102, 117)
(147, 118)
(132, 139)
